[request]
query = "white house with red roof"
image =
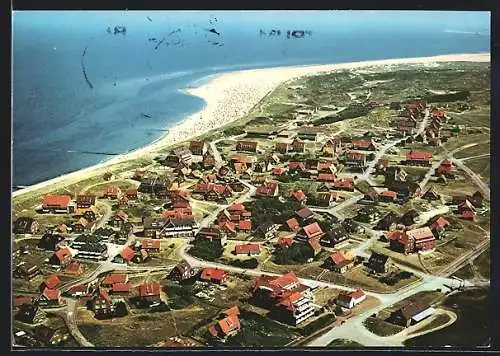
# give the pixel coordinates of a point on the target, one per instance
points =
(350, 300)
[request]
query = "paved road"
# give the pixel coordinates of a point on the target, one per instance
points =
(335, 210)
(69, 317)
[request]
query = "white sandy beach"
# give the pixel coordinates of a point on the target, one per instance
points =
(231, 95)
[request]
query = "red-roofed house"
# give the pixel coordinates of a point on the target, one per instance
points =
(111, 192)
(355, 159)
(121, 289)
(278, 171)
(292, 299)
(350, 300)
(151, 246)
(50, 297)
(344, 184)
(418, 158)
(52, 282)
(298, 145)
(57, 204)
(214, 275)
(246, 146)
(338, 262)
(226, 327)
(446, 167)
(326, 177)
(299, 196)
(268, 189)
(247, 249)
(245, 225)
(314, 245)
(61, 257)
(364, 144)
(131, 194)
(439, 226)
(150, 292)
(74, 269)
(421, 239)
(311, 231)
(284, 241)
(114, 278)
(127, 254)
(293, 224)
(388, 196)
(297, 166)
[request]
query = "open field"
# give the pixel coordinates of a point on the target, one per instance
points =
(123, 331)
(479, 149)
(480, 166)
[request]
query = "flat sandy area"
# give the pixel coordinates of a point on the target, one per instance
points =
(229, 96)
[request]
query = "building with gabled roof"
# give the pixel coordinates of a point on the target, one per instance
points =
(351, 299)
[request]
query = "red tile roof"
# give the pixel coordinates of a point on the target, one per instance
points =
(115, 278)
(299, 195)
(356, 155)
(149, 243)
(245, 225)
(57, 200)
(313, 230)
(121, 287)
(52, 281)
(337, 257)
(233, 310)
(327, 177)
(315, 245)
(297, 166)
(284, 241)
(149, 289)
(62, 253)
(127, 253)
(440, 223)
(73, 267)
(247, 248)
(229, 324)
(51, 294)
(417, 155)
(236, 207)
(228, 226)
(122, 215)
(111, 190)
(293, 224)
(390, 194)
(422, 233)
(213, 273)
(358, 293)
(304, 213)
(278, 171)
(267, 188)
(363, 143)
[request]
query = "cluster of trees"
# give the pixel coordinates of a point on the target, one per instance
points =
(296, 253)
(250, 263)
(206, 250)
(394, 278)
(264, 209)
(179, 295)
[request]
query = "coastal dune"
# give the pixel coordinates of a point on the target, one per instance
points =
(231, 95)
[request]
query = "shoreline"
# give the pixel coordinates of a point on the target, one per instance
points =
(230, 95)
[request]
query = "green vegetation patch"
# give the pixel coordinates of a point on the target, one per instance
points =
(344, 343)
(206, 250)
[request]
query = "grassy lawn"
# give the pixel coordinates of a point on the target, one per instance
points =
(480, 166)
(479, 149)
(380, 327)
(483, 263)
(472, 327)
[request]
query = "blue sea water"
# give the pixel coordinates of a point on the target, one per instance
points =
(55, 110)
